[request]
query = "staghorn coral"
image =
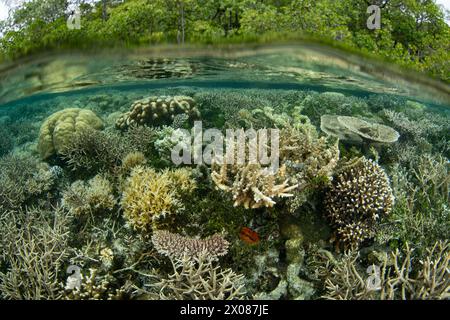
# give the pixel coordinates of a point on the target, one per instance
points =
(251, 185)
(359, 196)
(58, 129)
(22, 179)
(93, 287)
(416, 129)
(94, 151)
(150, 196)
(176, 246)
(95, 196)
(421, 213)
(34, 249)
(317, 104)
(401, 275)
(155, 111)
(197, 278)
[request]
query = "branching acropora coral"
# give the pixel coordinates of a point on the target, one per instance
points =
(252, 186)
(95, 196)
(176, 246)
(196, 275)
(358, 197)
(150, 195)
(199, 279)
(155, 111)
(400, 275)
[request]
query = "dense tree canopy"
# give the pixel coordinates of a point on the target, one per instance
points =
(412, 33)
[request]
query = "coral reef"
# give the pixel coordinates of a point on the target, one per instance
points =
(359, 196)
(400, 275)
(23, 179)
(150, 196)
(198, 279)
(34, 249)
(251, 186)
(196, 275)
(309, 160)
(421, 213)
(314, 105)
(94, 151)
(83, 198)
(176, 246)
(58, 129)
(155, 111)
(93, 287)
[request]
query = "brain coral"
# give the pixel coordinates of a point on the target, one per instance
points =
(59, 128)
(358, 197)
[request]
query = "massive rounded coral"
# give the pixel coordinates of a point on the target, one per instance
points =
(155, 111)
(60, 127)
(358, 197)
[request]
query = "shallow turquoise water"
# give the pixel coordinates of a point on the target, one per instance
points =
(231, 88)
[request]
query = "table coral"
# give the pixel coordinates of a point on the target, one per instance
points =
(176, 246)
(60, 127)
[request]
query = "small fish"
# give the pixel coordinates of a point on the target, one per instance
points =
(249, 236)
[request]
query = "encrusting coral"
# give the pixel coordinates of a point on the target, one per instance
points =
(155, 111)
(359, 196)
(150, 196)
(95, 196)
(58, 129)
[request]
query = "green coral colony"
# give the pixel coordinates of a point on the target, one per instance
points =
(357, 186)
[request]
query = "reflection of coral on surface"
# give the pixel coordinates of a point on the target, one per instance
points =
(358, 197)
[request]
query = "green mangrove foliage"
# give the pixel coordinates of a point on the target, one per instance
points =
(413, 33)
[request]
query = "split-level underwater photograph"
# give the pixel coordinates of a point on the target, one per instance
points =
(224, 150)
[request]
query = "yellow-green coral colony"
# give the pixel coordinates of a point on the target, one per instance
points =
(154, 111)
(59, 128)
